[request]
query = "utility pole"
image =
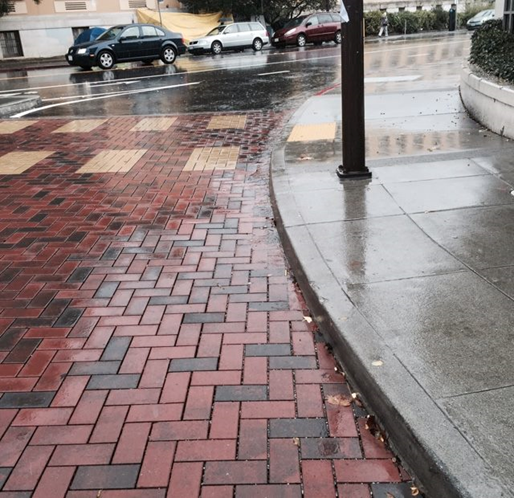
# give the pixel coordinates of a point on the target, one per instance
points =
(352, 89)
(159, 9)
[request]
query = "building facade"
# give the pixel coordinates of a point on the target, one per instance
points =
(48, 29)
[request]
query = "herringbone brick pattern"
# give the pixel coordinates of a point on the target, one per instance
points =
(152, 343)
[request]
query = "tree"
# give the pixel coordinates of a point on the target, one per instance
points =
(276, 12)
(7, 5)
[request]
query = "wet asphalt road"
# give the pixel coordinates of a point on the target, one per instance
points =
(271, 79)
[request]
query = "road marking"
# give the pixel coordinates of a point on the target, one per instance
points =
(228, 68)
(391, 79)
(129, 92)
(106, 83)
(56, 99)
(276, 72)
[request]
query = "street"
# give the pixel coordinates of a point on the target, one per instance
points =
(268, 80)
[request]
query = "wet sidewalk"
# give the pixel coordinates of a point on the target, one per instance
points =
(152, 341)
(411, 274)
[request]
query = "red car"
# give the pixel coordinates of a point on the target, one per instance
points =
(315, 28)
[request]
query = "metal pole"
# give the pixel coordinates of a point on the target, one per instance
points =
(352, 88)
(159, 9)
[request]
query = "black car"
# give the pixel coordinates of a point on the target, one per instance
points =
(132, 42)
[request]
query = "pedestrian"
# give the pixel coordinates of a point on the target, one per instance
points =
(384, 23)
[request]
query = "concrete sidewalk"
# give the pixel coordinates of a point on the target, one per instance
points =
(411, 275)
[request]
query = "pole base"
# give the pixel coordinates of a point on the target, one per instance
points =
(364, 174)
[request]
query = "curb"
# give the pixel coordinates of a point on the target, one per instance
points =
(429, 445)
(19, 105)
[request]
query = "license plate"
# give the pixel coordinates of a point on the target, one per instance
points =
(70, 58)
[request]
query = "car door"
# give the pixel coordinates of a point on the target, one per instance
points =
(129, 44)
(245, 34)
(312, 29)
(151, 42)
(230, 37)
(325, 25)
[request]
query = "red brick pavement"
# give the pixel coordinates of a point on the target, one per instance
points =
(152, 343)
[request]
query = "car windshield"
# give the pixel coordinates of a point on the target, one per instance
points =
(485, 13)
(110, 34)
(294, 22)
(216, 31)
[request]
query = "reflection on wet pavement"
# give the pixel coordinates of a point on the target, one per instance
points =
(230, 82)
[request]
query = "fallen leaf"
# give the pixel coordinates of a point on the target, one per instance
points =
(339, 400)
(305, 158)
(389, 495)
(377, 363)
(414, 491)
(296, 441)
(308, 319)
(99, 494)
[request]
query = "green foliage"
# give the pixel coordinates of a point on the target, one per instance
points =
(276, 12)
(440, 19)
(372, 22)
(408, 22)
(492, 50)
(472, 11)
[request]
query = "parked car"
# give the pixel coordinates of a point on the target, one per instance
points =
(477, 21)
(236, 36)
(89, 34)
(315, 28)
(132, 42)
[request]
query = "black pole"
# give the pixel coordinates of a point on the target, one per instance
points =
(352, 89)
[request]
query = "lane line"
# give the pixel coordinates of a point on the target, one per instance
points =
(227, 68)
(129, 92)
(387, 79)
(276, 72)
(56, 99)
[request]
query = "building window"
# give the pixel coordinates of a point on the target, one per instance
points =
(419, 7)
(401, 9)
(508, 16)
(10, 43)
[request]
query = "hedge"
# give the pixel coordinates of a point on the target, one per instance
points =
(419, 20)
(492, 50)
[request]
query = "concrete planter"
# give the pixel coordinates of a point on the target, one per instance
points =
(490, 104)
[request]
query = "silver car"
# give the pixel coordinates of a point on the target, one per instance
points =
(480, 19)
(237, 36)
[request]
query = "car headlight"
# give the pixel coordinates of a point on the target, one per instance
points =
(82, 51)
(290, 32)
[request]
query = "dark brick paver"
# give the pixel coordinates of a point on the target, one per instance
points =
(152, 342)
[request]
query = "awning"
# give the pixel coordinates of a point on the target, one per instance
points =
(190, 25)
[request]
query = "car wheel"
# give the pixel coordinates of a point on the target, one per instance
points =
(339, 37)
(216, 48)
(168, 55)
(301, 40)
(257, 45)
(105, 59)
